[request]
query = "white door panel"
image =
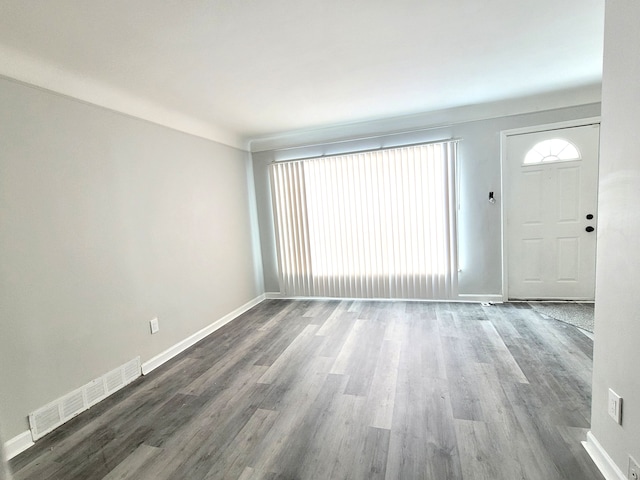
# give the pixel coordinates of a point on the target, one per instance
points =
(550, 254)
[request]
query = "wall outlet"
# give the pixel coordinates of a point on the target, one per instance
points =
(614, 406)
(634, 469)
(155, 326)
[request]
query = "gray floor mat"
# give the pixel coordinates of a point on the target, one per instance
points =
(578, 314)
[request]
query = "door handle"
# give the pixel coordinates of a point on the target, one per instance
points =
(589, 229)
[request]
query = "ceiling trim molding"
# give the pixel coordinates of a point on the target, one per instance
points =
(30, 71)
(586, 95)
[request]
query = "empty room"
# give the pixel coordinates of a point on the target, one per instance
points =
(319, 240)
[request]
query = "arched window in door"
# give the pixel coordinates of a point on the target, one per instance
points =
(553, 150)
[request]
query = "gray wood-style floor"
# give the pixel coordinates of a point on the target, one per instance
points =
(351, 389)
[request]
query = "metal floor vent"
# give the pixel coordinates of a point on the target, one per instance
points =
(51, 416)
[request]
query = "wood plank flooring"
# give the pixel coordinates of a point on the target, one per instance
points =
(346, 390)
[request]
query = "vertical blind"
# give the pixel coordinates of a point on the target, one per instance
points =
(378, 224)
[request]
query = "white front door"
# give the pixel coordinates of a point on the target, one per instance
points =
(551, 180)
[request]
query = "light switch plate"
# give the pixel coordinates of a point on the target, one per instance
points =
(634, 469)
(614, 406)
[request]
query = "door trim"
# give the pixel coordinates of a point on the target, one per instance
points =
(504, 134)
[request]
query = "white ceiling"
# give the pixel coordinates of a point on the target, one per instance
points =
(244, 69)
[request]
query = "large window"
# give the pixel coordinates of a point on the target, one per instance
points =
(378, 224)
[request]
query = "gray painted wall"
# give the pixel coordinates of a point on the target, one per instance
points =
(107, 221)
(617, 324)
(480, 237)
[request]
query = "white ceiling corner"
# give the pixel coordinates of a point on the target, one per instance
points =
(40, 73)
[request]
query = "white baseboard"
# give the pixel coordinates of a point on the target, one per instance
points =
(601, 458)
(273, 295)
(490, 298)
(181, 346)
(18, 444)
(459, 298)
